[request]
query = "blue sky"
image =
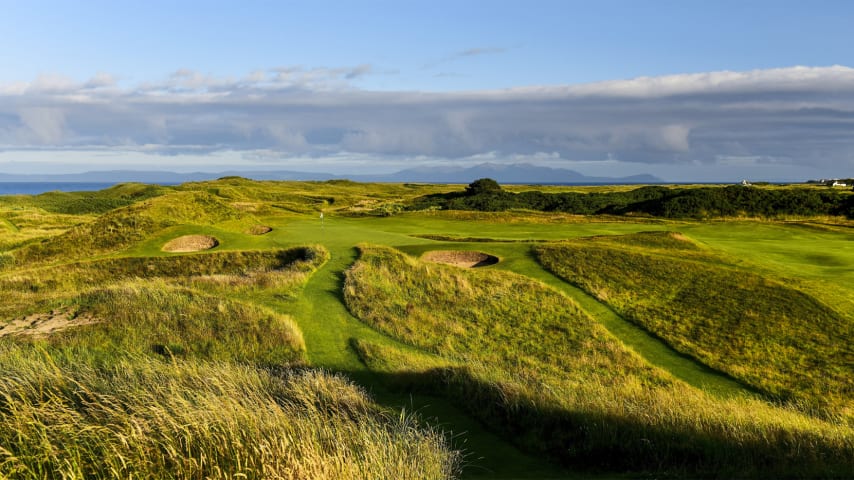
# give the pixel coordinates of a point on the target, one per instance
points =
(687, 90)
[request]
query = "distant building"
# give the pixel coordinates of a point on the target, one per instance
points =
(839, 184)
(746, 183)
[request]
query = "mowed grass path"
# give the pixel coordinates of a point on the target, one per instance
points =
(518, 258)
(328, 339)
(328, 327)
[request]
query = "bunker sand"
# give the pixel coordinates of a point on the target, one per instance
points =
(461, 258)
(41, 324)
(190, 243)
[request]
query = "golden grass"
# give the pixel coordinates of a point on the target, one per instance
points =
(761, 331)
(138, 418)
(526, 360)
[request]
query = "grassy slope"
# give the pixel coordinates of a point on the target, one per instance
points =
(284, 205)
(390, 231)
(138, 417)
(556, 371)
(328, 328)
(816, 258)
(519, 258)
(769, 335)
(151, 318)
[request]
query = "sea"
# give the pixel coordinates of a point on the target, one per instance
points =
(34, 188)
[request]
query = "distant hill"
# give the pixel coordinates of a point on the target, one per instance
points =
(514, 173)
(118, 176)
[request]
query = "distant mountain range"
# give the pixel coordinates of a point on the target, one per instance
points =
(514, 173)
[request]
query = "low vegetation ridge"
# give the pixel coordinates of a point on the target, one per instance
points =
(775, 338)
(120, 359)
(48, 287)
(559, 383)
(658, 201)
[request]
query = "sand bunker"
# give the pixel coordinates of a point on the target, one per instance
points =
(259, 230)
(190, 243)
(461, 258)
(40, 324)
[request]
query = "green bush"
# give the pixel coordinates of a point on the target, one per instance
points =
(656, 201)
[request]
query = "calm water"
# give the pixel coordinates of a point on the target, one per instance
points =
(34, 188)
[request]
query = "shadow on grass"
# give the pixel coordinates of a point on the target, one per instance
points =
(605, 444)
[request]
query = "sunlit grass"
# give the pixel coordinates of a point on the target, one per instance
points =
(498, 345)
(758, 330)
(144, 418)
(559, 383)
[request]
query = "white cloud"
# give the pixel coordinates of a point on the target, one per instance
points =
(756, 81)
(675, 138)
(797, 116)
(44, 125)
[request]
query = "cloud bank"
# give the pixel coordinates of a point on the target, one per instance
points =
(799, 116)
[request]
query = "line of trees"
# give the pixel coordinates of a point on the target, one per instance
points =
(702, 202)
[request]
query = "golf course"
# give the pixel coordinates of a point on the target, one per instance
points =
(247, 329)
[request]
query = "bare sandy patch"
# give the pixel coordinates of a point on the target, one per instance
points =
(259, 230)
(41, 324)
(460, 258)
(190, 243)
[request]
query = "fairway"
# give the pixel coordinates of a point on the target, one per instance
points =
(523, 416)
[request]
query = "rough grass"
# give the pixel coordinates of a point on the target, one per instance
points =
(183, 377)
(87, 202)
(558, 383)
(582, 412)
(122, 227)
(238, 272)
(151, 317)
(139, 418)
(758, 330)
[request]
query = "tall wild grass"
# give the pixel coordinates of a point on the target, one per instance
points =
(236, 272)
(529, 362)
(148, 419)
(760, 331)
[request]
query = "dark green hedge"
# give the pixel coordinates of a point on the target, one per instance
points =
(702, 202)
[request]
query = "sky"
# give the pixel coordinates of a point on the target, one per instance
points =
(684, 90)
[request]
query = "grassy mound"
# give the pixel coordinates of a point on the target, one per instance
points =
(140, 418)
(525, 360)
(190, 243)
(758, 330)
(152, 317)
(120, 228)
(181, 378)
(223, 273)
(89, 202)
